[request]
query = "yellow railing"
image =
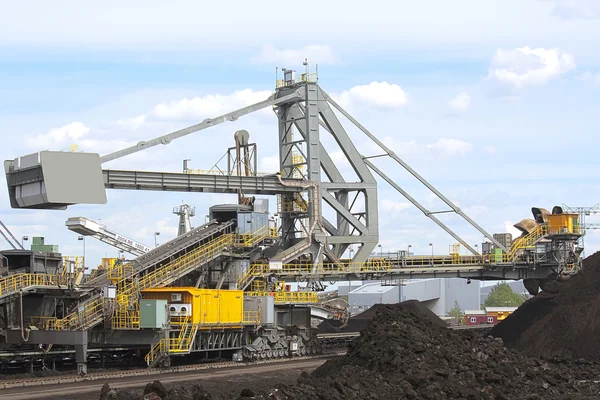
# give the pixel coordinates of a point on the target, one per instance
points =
(284, 297)
(255, 271)
(73, 265)
(251, 318)
(221, 172)
(527, 241)
(181, 344)
(377, 265)
(85, 316)
(311, 77)
(297, 204)
(128, 289)
(14, 283)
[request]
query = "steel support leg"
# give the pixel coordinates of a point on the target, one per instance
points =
(81, 358)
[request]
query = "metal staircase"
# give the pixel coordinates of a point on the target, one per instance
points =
(91, 312)
(181, 344)
(526, 242)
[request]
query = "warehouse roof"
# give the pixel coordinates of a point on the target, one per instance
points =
(372, 288)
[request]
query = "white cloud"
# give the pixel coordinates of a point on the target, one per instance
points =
(58, 136)
(394, 207)
(451, 147)
(133, 123)
(444, 146)
(402, 148)
(198, 108)
(316, 54)
(378, 94)
(515, 69)
(461, 102)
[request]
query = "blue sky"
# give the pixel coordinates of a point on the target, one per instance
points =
(496, 103)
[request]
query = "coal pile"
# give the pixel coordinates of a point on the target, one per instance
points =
(360, 321)
(565, 324)
(403, 354)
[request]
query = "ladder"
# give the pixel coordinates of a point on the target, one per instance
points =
(181, 344)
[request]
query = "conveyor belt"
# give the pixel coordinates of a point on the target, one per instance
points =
(172, 249)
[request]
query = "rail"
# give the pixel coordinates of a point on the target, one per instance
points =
(284, 297)
(310, 77)
(73, 265)
(525, 242)
(15, 283)
(221, 172)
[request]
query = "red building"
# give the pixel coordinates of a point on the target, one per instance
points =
(479, 317)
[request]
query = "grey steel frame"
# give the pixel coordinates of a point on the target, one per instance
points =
(302, 107)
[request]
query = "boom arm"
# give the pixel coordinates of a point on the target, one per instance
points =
(168, 138)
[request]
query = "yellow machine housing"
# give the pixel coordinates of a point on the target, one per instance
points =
(563, 224)
(208, 306)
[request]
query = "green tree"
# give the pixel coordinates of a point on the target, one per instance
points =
(503, 296)
(456, 314)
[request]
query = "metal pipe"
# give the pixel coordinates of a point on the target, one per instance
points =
(11, 235)
(25, 339)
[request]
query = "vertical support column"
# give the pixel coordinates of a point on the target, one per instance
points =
(81, 358)
(311, 115)
(287, 143)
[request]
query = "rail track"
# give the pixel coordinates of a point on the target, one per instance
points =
(115, 375)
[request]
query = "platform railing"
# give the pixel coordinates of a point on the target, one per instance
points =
(283, 297)
(527, 241)
(14, 283)
(181, 344)
(128, 289)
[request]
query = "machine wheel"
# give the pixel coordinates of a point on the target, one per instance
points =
(165, 362)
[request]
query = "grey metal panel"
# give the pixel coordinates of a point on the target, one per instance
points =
(49, 337)
(182, 182)
(52, 179)
(153, 314)
(261, 205)
(73, 177)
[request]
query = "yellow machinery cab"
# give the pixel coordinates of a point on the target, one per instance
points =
(207, 307)
(564, 224)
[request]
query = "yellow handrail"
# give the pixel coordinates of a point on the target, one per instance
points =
(128, 289)
(14, 283)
